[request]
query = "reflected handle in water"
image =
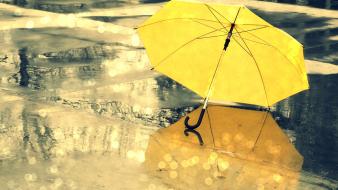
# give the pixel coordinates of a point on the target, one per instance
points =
(188, 126)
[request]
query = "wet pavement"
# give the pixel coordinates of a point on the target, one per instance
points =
(325, 4)
(77, 97)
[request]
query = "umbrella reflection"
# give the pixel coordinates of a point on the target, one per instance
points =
(24, 76)
(243, 149)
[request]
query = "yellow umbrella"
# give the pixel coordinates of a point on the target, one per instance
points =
(240, 149)
(224, 53)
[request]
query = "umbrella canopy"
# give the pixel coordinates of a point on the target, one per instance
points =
(224, 53)
(241, 149)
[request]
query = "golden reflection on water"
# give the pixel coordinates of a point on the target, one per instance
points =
(216, 165)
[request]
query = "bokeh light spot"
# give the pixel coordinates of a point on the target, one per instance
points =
(45, 20)
(173, 165)
(135, 41)
(152, 186)
(101, 29)
(195, 159)
(130, 154)
(206, 166)
(173, 174)
(277, 178)
(29, 24)
(208, 181)
(167, 157)
(54, 169)
(184, 163)
(11, 184)
(223, 165)
(162, 165)
(32, 161)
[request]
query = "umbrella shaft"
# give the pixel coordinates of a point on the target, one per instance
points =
(227, 41)
(206, 102)
(231, 29)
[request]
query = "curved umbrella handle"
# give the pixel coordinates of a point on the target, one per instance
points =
(192, 127)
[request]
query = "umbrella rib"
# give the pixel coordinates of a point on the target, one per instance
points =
(275, 49)
(212, 36)
(256, 41)
(183, 45)
(249, 32)
(204, 24)
(262, 40)
(212, 133)
(260, 131)
(170, 19)
(242, 47)
(259, 70)
(237, 14)
(256, 24)
(252, 29)
(213, 28)
(209, 7)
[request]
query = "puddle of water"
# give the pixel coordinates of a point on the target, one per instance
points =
(48, 146)
(80, 151)
(68, 6)
(152, 1)
(76, 6)
(325, 4)
(160, 101)
(312, 115)
(127, 21)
